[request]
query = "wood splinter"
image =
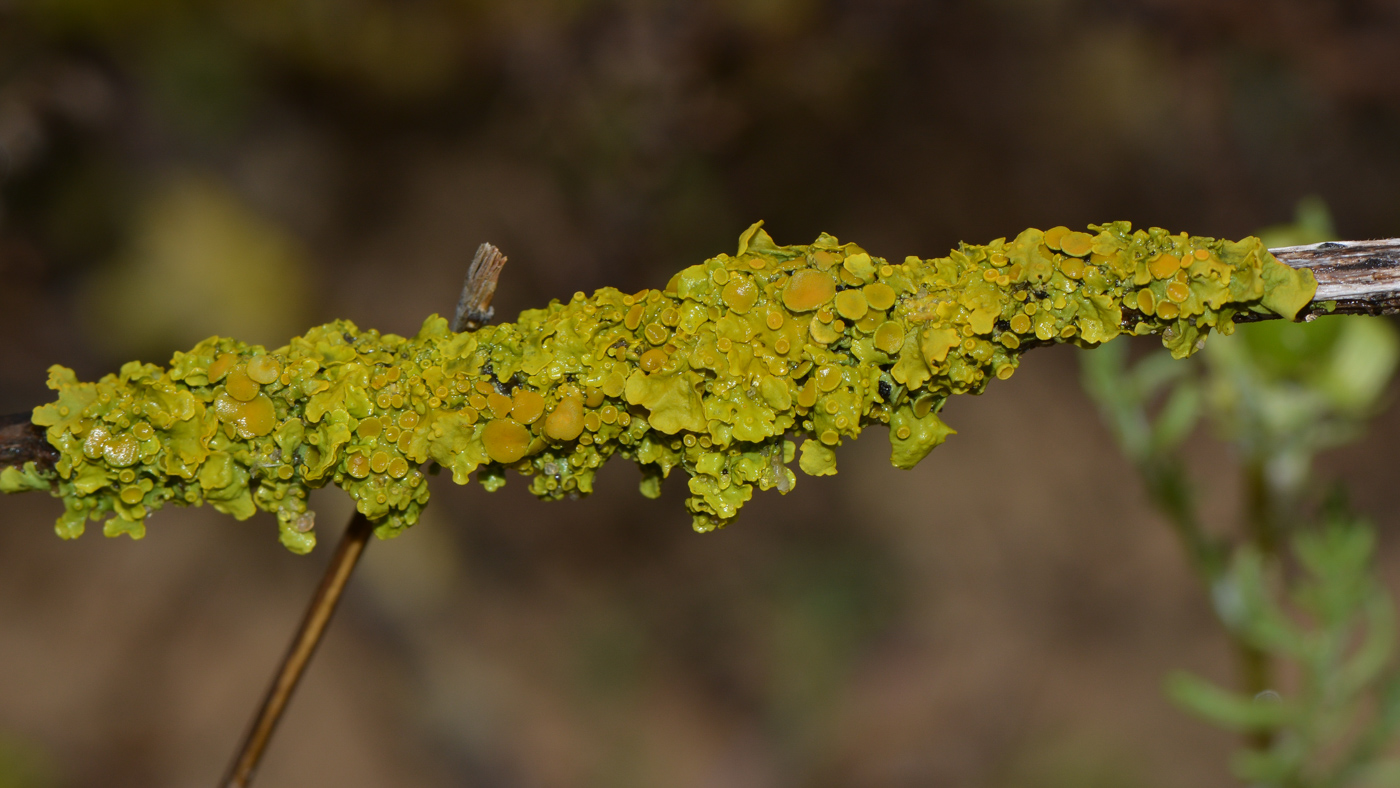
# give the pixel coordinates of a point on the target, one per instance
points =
(474, 307)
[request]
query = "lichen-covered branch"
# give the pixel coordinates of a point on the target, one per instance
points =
(722, 373)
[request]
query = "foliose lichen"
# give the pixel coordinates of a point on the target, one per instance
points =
(720, 374)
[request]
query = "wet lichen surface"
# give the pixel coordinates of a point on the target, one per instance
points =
(738, 366)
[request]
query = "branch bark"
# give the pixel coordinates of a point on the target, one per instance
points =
(22, 441)
(1362, 277)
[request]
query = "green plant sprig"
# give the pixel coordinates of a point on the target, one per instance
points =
(711, 374)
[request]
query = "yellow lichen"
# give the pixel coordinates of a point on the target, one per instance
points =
(721, 374)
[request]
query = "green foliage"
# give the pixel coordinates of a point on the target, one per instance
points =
(1336, 623)
(1292, 590)
(1285, 391)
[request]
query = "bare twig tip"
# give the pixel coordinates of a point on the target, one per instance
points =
(474, 306)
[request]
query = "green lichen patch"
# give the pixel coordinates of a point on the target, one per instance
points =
(720, 374)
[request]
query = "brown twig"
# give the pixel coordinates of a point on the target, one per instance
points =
(473, 311)
(308, 636)
(474, 307)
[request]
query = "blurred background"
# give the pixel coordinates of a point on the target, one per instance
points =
(1001, 616)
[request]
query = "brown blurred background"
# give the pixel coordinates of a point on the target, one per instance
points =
(1001, 616)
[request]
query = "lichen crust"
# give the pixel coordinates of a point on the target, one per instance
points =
(721, 373)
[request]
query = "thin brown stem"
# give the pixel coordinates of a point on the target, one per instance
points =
(1261, 523)
(474, 307)
(1255, 664)
(1256, 675)
(308, 636)
(473, 312)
